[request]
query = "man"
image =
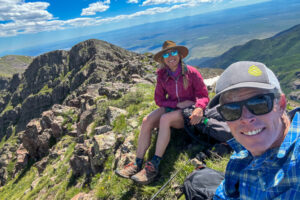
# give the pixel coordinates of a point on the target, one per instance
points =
(266, 161)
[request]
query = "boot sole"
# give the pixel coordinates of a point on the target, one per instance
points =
(121, 175)
(144, 182)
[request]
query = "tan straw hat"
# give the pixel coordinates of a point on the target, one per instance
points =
(170, 45)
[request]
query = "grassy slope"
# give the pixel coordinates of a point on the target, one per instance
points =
(280, 52)
(13, 64)
(57, 181)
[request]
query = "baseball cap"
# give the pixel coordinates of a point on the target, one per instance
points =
(245, 74)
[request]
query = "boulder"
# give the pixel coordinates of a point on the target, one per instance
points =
(102, 129)
(113, 90)
(79, 162)
(85, 119)
(22, 158)
(113, 112)
(30, 136)
(295, 96)
(102, 145)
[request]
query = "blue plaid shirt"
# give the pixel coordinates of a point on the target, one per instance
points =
(273, 175)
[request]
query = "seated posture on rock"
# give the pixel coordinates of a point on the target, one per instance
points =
(178, 86)
(266, 161)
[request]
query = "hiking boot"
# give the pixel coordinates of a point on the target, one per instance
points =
(128, 170)
(146, 175)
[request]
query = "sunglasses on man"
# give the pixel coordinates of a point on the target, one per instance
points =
(172, 53)
(257, 105)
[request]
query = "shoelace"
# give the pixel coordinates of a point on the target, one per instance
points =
(149, 167)
(129, 165)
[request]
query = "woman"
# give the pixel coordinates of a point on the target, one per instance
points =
(178, 86)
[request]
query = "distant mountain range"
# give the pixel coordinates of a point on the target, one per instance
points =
(13, 64)
(280, 52)
(206, 35)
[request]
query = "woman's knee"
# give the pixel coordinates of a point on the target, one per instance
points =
(153, 118)
(171, 119)
(165, 119)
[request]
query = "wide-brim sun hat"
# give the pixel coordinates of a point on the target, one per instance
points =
(183, 51)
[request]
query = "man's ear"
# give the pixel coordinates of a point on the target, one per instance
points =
(282, 102)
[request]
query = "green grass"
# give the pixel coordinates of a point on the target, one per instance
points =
(5, 75)
(55, 178)
(45, 90)
(12, 64)
(11, 140)
(218, 164)
(58, 182)
(70, 117)
(120, 124)
(7, 108)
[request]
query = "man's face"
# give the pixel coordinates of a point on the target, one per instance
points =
(257, 133)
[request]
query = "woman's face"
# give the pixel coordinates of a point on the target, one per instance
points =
(172, 60)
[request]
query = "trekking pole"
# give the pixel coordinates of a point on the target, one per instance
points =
(163, 187)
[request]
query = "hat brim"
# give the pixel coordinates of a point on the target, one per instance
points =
(216, 98)
(182, 50)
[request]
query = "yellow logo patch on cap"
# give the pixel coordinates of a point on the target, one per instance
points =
(254, 71)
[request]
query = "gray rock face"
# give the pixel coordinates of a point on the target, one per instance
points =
(102, 129)
(14, 82)
(80, 161)
(58, 95)
(41, 133)
(85, 119)
(89, 157)
(295, 96)
(51, 77)
(3, 83)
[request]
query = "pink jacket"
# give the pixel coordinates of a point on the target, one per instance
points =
(169, 92)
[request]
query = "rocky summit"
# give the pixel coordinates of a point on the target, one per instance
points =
(51, 77)
(72, 118)
(58, 97)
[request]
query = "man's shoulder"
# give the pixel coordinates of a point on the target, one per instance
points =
(295, 136)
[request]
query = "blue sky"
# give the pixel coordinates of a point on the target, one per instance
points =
(27, 23)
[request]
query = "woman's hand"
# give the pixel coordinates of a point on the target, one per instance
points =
(196, 116)
(185, 104)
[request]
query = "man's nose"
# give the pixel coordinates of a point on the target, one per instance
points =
(247, 116)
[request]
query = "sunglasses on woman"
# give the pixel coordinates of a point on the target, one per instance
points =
(257, 105)
(173, 53)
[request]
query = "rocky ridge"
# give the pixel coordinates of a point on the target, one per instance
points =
(57, 99)
(73, 114)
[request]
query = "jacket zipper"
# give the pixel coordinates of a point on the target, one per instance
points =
(176, 80)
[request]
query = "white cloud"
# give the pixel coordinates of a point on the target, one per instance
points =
(19, 17)
(93, 8)
(132, 1)
(156, 2)
(14, 10)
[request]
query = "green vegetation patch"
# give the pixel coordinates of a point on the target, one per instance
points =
(45, 90)
(54, 182)
(7, 108)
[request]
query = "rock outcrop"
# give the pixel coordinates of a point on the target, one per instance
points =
(58, 95)
(51, 77)
(73, 115)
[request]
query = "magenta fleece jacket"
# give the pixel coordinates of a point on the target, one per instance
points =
(169, 92)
